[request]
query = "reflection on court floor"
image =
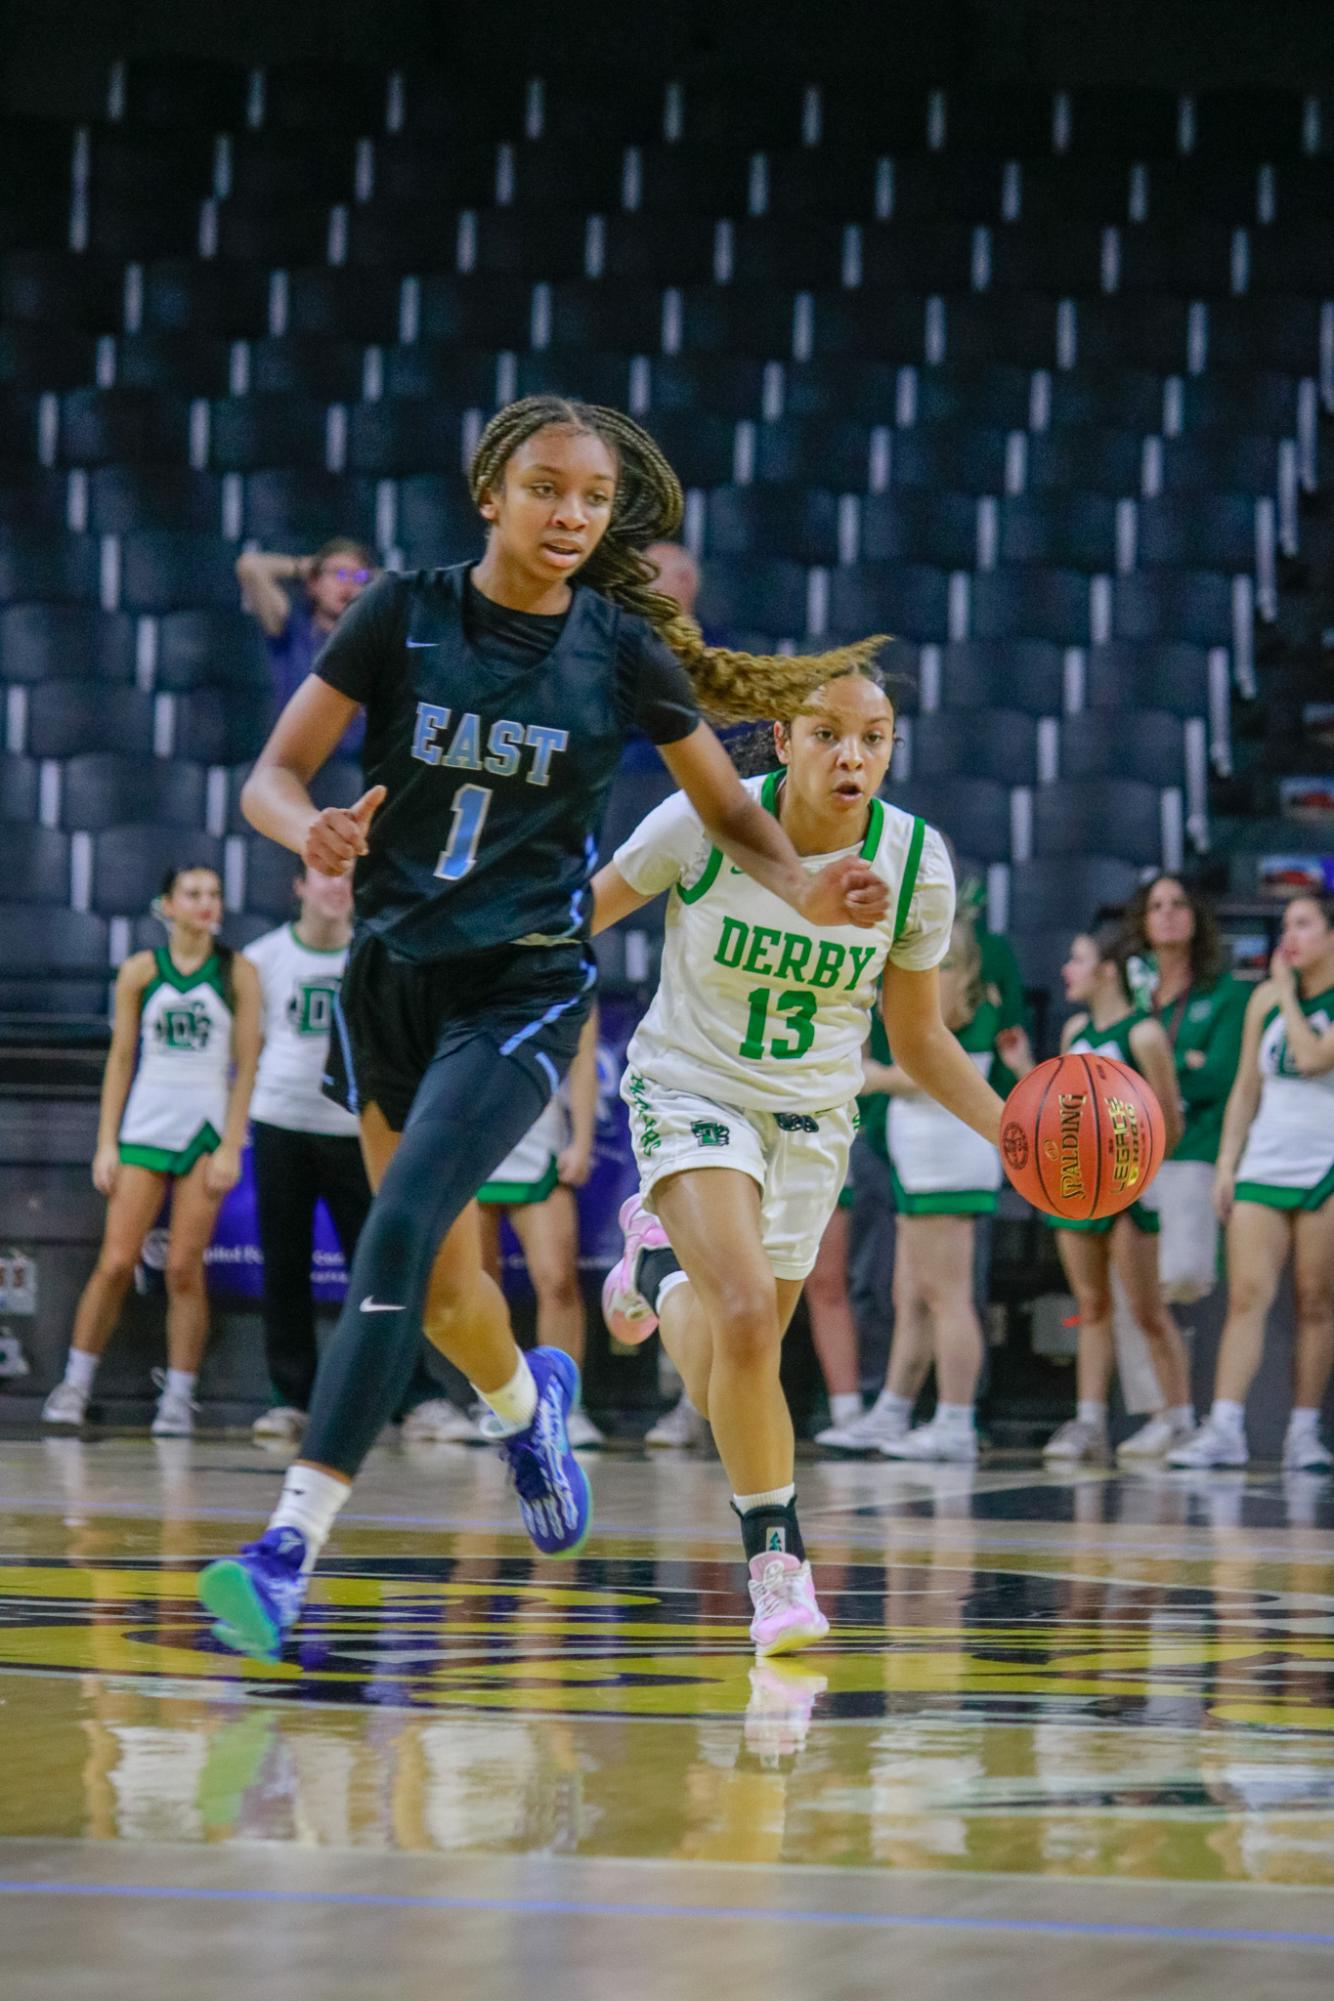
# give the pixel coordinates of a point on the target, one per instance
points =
(1104, 1677)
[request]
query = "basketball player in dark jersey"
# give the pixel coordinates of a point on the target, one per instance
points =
(497, 699)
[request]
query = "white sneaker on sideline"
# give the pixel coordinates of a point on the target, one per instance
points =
(174, 1417)
(681, 1426)
(582, 1433)
(875, 1429)
(67, 1404)
(437, 1422)
(282, 1426)
(1078, 1443)
(1306, 1452)
(1155, 1438)
(1211, 1445)
(953, 1443)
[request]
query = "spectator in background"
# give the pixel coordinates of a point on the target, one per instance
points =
(307, 1150)
(1202, 1007)
(296, 626)
(678, 573)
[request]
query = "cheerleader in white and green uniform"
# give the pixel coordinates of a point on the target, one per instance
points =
(175, 1119)
(1108, 1024)
(945, 1176)
(1274, 1190)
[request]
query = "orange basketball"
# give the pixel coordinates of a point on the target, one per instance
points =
(1082, 1137)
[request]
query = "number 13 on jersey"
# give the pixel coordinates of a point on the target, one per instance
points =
(472, 803)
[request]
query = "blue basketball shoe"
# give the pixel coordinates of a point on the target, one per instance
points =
(554, 1499)
(256, 1597)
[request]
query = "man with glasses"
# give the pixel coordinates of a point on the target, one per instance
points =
(296, 625)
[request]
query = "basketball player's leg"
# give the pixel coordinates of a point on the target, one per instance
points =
(1313, 1279)
(1135, 1261)
(465, 1315)
(728, 1348)
(194, 1216)
(548, 1234)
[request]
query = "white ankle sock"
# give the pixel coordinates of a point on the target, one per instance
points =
(515, 1402)
(668, 1286)
(1089, 1412)
(1228, 1416)
(1180, 1415)
(844, 1406)
(776, 1497)
(310, 1502)
(955, 1416)
(1303, 1418)
(180, 1383)
(894, 1406)
(80, 1369)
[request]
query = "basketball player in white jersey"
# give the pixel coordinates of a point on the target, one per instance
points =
(741, 1083)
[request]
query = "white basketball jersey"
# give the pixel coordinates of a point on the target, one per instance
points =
(1291, 1140)
(299, 986)
(755, 1006)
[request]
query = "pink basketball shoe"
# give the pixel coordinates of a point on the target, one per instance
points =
(782, 1591)
(625, 1310)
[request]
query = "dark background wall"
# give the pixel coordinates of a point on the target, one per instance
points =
(1177, 43)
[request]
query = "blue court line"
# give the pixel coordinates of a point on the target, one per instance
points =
(566, 1907)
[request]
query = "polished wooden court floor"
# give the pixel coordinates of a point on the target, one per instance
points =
(1070, 1736)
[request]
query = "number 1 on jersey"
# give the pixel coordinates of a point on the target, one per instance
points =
(471, 806)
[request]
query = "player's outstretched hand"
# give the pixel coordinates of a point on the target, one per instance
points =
(336, 837)
(846, 892)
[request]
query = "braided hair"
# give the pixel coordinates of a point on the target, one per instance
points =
(733, 687)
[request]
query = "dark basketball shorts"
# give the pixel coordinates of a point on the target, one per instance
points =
(394, 1017)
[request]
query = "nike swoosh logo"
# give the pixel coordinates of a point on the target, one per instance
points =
(370, 1304)
(423, 642)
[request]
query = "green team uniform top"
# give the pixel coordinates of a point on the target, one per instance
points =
(1002, 1007)
(1205, 1021)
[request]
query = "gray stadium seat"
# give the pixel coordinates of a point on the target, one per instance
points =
(36, 865)
(129, 864)
(101, 790)
(1115, 816)
(46, 642)
(67, 717)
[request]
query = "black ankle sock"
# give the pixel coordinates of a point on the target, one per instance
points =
(653, 1268)
(764, 1530)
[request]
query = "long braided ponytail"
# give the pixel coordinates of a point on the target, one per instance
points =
(734, 687)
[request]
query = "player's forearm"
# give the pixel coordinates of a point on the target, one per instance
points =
(753, 839)
(276, 802)
(936, 1063)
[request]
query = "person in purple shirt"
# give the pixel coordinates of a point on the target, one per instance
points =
(296, 625)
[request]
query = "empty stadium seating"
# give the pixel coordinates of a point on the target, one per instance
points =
(1031, 380)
